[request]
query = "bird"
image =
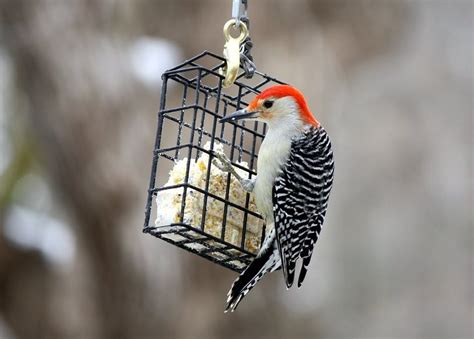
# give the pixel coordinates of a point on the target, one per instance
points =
(295, 170)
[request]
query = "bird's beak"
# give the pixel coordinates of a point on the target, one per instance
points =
(240, 114)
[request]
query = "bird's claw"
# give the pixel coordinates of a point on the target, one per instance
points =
(222, 162)
(219, 165)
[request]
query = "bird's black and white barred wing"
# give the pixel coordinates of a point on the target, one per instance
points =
(300, 198)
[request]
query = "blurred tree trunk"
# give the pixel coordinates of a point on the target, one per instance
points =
(75, 120)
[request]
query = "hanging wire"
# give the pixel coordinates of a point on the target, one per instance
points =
(239, 14)
(239, 10)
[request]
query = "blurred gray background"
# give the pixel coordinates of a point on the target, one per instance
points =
(392, 82)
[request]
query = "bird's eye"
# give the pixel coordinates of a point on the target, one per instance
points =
(268, 104)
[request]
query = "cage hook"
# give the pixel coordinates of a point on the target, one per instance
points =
(232, 51)
(246, 58)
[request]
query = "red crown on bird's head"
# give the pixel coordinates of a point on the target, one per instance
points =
(281, 91)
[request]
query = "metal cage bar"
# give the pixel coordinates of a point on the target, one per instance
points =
(187, 103)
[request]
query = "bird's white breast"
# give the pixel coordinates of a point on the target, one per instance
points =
(272, 155)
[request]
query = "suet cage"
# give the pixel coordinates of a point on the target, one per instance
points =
(192, 102)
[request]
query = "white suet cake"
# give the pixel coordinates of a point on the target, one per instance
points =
(169, 202)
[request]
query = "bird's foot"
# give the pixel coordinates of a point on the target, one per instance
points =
(248, 184)
(222, 162)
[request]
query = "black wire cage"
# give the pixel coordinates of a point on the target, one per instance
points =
(192, 101)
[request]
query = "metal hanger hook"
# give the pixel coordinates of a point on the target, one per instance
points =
(244, 32)
(232, 52)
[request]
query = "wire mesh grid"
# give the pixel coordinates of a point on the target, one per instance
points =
(192, 101)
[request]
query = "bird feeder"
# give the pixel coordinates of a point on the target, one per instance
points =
(190, 202)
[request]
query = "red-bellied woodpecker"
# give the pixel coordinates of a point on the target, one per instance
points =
(295, 170)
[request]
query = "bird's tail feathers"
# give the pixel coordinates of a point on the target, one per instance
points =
(303, 270)
(261, 265)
